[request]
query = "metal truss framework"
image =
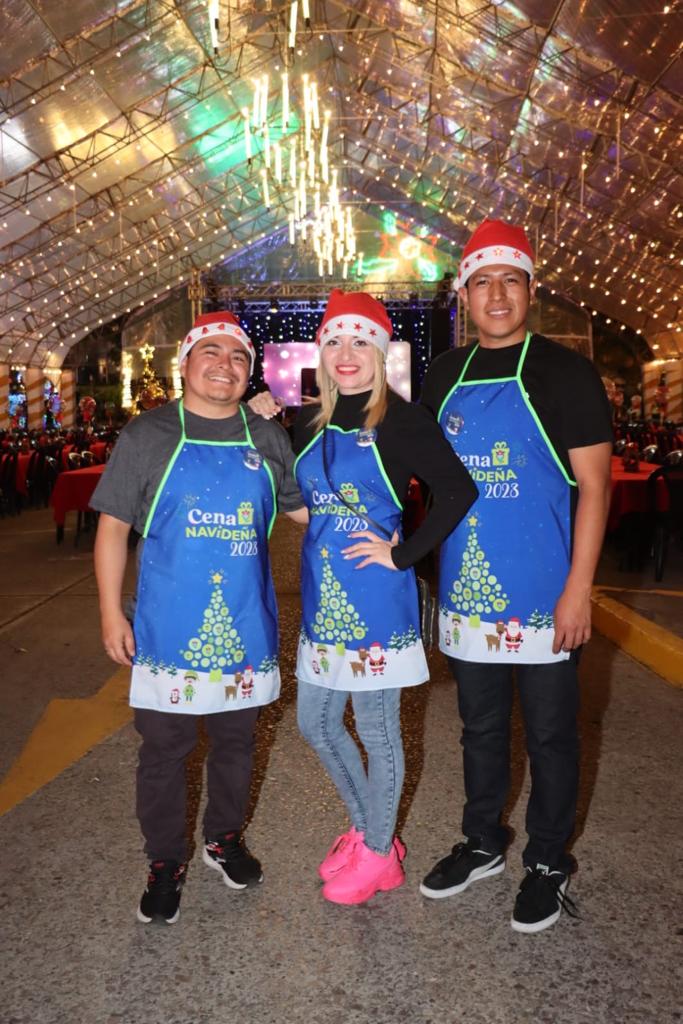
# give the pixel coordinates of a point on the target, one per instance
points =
(451, 111)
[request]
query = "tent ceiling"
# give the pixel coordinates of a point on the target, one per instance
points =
(122, 162)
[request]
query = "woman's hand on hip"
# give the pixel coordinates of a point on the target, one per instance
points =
(373, 550)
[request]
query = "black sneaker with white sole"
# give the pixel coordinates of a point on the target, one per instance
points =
(541, 899)
(161, 898)
(228, 854)
(466, 863)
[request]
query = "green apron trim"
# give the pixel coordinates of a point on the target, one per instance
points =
(525, 396)
(387, 481)
(184, 439)
(378, 458)
(308, 447)
(167, 471)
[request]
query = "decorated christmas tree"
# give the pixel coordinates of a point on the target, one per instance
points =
(477, 591)
(217, 642)
(336, 621)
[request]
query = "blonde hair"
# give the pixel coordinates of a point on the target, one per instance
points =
(376, 405)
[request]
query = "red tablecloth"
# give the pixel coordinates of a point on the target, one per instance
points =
(73, 491)
(630, 491)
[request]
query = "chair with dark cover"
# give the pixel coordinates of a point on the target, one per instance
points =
(668, 523)
(9, 503)
(650, 454)
(674, 457)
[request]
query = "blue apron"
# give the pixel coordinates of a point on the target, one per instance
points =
(206, 618)
(361, 627)
(505, 565)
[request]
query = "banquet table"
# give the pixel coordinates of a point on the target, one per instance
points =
(72, 493)
(630, 492)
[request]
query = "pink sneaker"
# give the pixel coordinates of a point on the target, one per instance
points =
(337, 857)
(365, 874)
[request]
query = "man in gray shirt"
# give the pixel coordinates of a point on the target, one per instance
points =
(201, 480)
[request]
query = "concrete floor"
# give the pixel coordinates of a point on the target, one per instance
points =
(73, 953)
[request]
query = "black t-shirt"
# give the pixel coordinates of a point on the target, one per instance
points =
(564, 388)
(409, 443)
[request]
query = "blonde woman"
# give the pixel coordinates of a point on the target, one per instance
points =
(360, 635)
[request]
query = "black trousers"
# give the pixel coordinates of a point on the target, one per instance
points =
(549, 696)
(167, 740)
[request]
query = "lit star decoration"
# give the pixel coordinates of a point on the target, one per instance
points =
(217, 577)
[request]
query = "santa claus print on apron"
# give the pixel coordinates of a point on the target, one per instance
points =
(505, 565)
(206, 619)
(361, 627)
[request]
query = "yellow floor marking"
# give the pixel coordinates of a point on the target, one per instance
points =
(644, 640)
(67, 730)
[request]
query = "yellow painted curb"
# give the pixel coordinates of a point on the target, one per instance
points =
(67, 730)
(648, 643)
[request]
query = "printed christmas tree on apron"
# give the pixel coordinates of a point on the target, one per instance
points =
(477, 590)
(336, 620)
(217, 643)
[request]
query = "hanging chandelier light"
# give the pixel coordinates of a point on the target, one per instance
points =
(289, 149)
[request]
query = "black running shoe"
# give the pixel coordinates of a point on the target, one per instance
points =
(467, 863)
(541, 899)
(229, 854)
(161, 898)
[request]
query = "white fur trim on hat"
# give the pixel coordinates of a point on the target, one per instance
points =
(361, 326)
(207, 330)
(491, 255)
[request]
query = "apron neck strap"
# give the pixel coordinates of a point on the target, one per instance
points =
(466, 364)
(181, 417)
(247, 432)
(522, 357)
(520, 363)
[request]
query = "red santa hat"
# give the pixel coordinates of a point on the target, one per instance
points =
(494, 241)
(209, 325)
(355, 313)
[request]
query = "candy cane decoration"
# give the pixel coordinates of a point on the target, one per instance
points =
(34, 382)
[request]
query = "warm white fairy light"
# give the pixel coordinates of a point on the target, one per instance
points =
(214, 10)
(176, 379)
(126, 380)
(293, 11)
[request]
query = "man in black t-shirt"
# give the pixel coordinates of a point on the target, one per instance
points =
(531, 421)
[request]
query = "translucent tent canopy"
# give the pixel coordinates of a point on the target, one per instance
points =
(123, 166)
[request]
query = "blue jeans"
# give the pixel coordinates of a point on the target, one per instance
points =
(372, 799)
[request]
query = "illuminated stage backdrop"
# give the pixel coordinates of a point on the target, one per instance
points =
(284, 366)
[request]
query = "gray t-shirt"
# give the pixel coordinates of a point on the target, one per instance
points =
(146, 444)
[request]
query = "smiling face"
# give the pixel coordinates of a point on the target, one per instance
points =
(215, 374)
(498, 299)
(351, 363)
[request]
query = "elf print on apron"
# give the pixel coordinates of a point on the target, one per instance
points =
(361, 627)
(505, 565)
(206, 619)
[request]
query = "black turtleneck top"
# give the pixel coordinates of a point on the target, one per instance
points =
(410, 443)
